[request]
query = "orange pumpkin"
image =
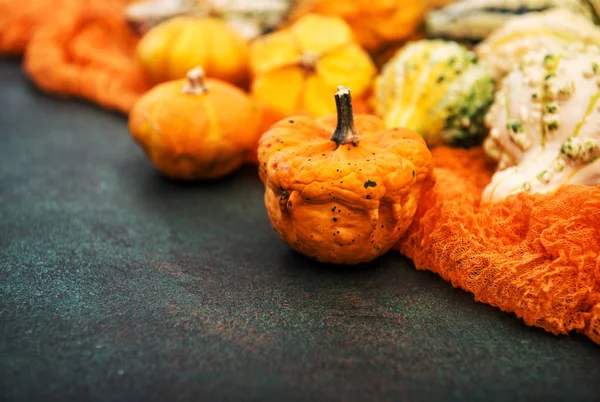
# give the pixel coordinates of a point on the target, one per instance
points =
(342, 189)
(296, 69)
(374, 22)
(195, 128)
(177, 45)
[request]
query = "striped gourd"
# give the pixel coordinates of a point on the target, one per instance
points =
(544, 123)
(474, 20)
(436, 88)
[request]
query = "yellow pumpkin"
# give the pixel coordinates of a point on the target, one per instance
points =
(172, 48)
(296, 69)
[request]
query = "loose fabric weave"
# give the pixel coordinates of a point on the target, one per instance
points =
(75, 48)
(537, 256)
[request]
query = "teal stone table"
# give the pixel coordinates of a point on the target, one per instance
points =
(119, 285)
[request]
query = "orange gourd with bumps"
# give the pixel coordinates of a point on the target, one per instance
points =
(342, 189)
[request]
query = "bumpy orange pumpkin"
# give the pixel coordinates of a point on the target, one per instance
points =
(195, 128)
(177, 45)
(374, 22)
(296, 69)
(342, 190)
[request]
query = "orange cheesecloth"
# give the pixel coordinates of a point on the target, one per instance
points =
(537, 256)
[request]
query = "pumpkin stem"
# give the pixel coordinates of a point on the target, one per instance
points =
(308, 62)
(345, 131)
(195, 82)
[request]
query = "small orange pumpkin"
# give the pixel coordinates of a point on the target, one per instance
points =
(296, 69)
(179, 44)
(345, 197)
(195, 128)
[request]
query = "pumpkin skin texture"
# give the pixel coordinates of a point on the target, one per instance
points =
(169, 50)
(344, 198)
(269, 117)
(374, 22)
(194, 129)
(296, 69)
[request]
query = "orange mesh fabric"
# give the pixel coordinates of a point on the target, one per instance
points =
(537, 256)
(75, 48)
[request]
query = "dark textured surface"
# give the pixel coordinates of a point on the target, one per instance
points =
(117, 285)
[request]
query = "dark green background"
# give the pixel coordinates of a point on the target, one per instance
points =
(118, 285)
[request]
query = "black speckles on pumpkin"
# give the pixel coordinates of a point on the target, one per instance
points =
(335, 219)
(382, 226)
(413, 173)
(333, 209)
(368, 196)
(291, 121)
(370, 183)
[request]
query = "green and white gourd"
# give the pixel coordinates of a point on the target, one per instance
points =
(545, 124)
(438, 89)
(249, 18)
(550, 31)
(473, 20)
